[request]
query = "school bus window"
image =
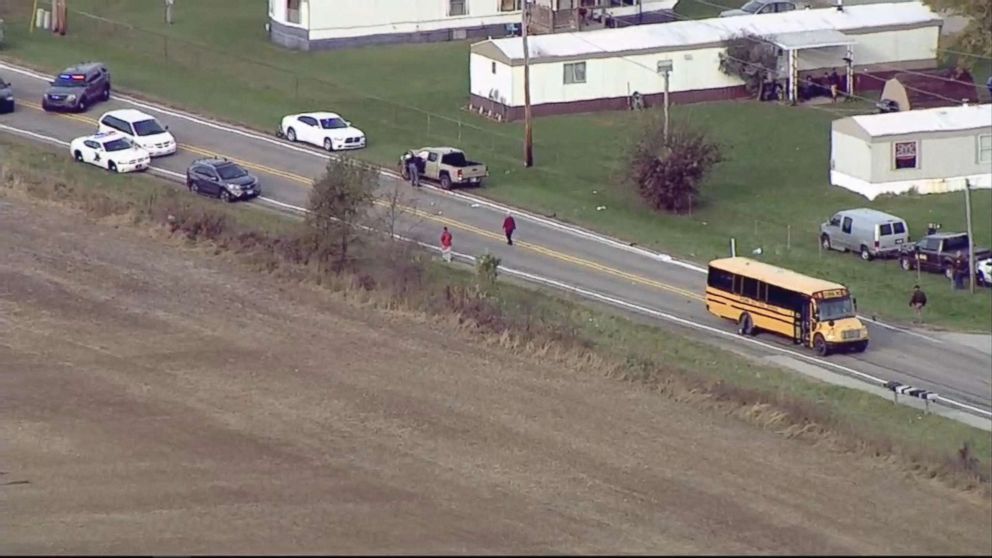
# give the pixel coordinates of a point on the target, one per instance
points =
(778, 296)
(836, 308)
(762, 291)
(719, 279)
(749, 287)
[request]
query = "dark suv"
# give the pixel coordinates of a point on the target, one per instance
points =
(6, 97)
(222, 179)
(78, 87)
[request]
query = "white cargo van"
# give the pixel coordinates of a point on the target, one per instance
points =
(870, 233)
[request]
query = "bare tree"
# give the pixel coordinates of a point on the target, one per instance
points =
(339, 207)
(752, 59)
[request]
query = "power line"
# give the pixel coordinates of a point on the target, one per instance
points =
(962, 53)
(931, 93)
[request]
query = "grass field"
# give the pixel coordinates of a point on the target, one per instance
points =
(770, 193)
(680, 366)
(272, 417)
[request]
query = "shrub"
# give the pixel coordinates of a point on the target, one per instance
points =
(486, 270)
(668, 176)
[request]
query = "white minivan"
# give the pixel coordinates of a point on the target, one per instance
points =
(143, 129)
(866, 232)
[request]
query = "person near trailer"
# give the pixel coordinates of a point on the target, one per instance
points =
(834, 82)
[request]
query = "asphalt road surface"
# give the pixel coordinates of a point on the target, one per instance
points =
(542, 247)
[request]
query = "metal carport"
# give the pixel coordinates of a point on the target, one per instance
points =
(795, 41)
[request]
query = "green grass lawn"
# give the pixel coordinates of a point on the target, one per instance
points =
(772, 191)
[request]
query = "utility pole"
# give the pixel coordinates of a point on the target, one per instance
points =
(665, 68)
(34, 16)
(60, 15)
(971, 238)
(528, 129)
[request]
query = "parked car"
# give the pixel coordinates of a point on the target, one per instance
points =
(141, 128)
(936, 252)
(6, 96)
(887, 105)
(110, 150)
(222, 179)
(870, 233)
(755, 7)
(445, 165)
(323, 129)
(983, 272)
(78, 87)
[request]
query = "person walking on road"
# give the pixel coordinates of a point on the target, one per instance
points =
(509, 225)
(917, 302)
(446, 245)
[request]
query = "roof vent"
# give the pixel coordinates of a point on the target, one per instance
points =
(840, 5)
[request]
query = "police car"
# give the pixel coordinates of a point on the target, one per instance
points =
(110, 150)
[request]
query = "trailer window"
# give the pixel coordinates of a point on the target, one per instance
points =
(575, 73)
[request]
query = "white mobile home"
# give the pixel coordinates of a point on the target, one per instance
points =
(600, 70)
(320, 24)
(929, 151)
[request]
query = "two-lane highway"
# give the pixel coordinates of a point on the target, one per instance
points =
(542, 247)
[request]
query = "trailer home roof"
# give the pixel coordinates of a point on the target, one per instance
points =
(939, 119)
(683, 35)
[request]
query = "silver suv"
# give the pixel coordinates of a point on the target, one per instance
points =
(78, 87)
(755, 7)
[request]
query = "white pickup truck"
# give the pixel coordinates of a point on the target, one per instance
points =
(445, 165)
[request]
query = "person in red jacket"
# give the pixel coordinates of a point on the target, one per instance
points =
(446, 245)
(509, 225)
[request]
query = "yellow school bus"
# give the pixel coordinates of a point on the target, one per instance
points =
(758, 296)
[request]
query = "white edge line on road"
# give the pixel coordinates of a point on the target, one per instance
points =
(571, 288)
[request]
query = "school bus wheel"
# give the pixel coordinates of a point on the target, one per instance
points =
(745, 325)
(820, 345)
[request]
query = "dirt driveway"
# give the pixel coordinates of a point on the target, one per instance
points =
(157, 400)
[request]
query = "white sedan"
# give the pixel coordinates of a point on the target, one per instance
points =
(110, 150)
(983, 272)
(323, 129)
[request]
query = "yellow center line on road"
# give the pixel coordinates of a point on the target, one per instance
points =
(430, 216)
